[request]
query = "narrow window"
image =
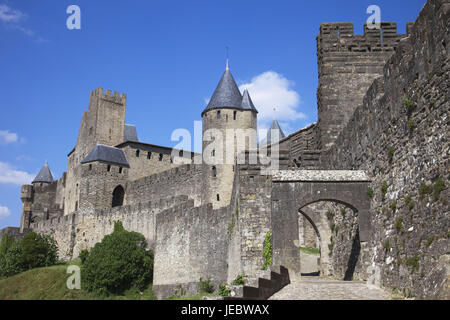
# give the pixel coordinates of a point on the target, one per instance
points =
(90, 167)
(218, 115)
(120, 170)
(214, 172)
(109, 168)
(218, 197)
(213, 153)
(76, 205)
(137, 153)
(149, 155)
(160, 157)
(234, 115)
(181, 153)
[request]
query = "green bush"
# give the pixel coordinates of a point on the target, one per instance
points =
(84, 254)
(205, 286)
(11, 261)
(38, 251)
(33, 251)
(370, 193)
(118, 263)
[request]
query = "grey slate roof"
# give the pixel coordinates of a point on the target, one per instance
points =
(130, 133)
(226, 95)
(44, 175)
(107, 154)
(247, 103)
(269, 140)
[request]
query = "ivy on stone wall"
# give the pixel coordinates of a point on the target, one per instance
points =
(267, 250)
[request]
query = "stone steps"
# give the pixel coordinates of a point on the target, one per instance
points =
(262, 286)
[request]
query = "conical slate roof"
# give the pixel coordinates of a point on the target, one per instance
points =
(276, 137)
(107, 154)
(44, 175)
(247, 103)
(226, 95)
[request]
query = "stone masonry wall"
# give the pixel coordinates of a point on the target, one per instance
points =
(191, 243)
(84, 228)
(348, 64)
(400, 136)
(183, 180)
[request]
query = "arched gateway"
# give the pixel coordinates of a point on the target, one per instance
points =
(294, 190)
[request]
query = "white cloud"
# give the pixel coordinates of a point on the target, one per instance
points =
(7, 137)
(10, 175)
(8, 14)
(14, 19)
(4, 212)
(272, 90)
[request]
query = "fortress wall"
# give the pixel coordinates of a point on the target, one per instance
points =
(183, 180)
(191, 243)
(85, 227)
(302, 146)
(143, 166)
(406, 150)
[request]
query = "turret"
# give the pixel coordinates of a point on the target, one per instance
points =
(229, 127)
(44, 176)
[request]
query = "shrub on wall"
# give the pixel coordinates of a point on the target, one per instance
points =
(118, 263)
(267, 251)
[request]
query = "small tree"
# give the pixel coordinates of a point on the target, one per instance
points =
(10, 257)
(118, 263)
(38, 251)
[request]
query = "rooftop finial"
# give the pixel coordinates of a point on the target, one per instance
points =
(274, 113)
(228, 67)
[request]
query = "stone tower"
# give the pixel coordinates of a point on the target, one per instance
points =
(103, 123)
(229, 127)
(348, 65)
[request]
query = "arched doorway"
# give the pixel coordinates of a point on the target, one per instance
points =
(337, 229)
(322, 192)
(309, 242)
(118, 196)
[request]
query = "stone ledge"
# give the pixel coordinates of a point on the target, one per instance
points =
(320, 176)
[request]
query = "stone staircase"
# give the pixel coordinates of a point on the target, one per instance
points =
(263, 286)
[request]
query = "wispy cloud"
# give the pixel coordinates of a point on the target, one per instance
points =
(11, 15)
(271, 90)
(7, 137)
(14, 19)
(4, 212)
(11, 175)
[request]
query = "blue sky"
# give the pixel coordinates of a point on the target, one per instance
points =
(167, 56)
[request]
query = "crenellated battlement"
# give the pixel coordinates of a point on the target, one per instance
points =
(340, 37)
(107, 94)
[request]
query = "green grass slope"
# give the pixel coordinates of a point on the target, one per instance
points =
(49, 283)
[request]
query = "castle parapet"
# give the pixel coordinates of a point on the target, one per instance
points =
(108, 95)
(340, 37)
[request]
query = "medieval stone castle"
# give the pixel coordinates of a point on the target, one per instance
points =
(367, 184)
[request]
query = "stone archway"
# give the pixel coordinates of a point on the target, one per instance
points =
(294, 190)
(118, 196)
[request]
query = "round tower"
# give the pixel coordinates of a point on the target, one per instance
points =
(229, 127)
